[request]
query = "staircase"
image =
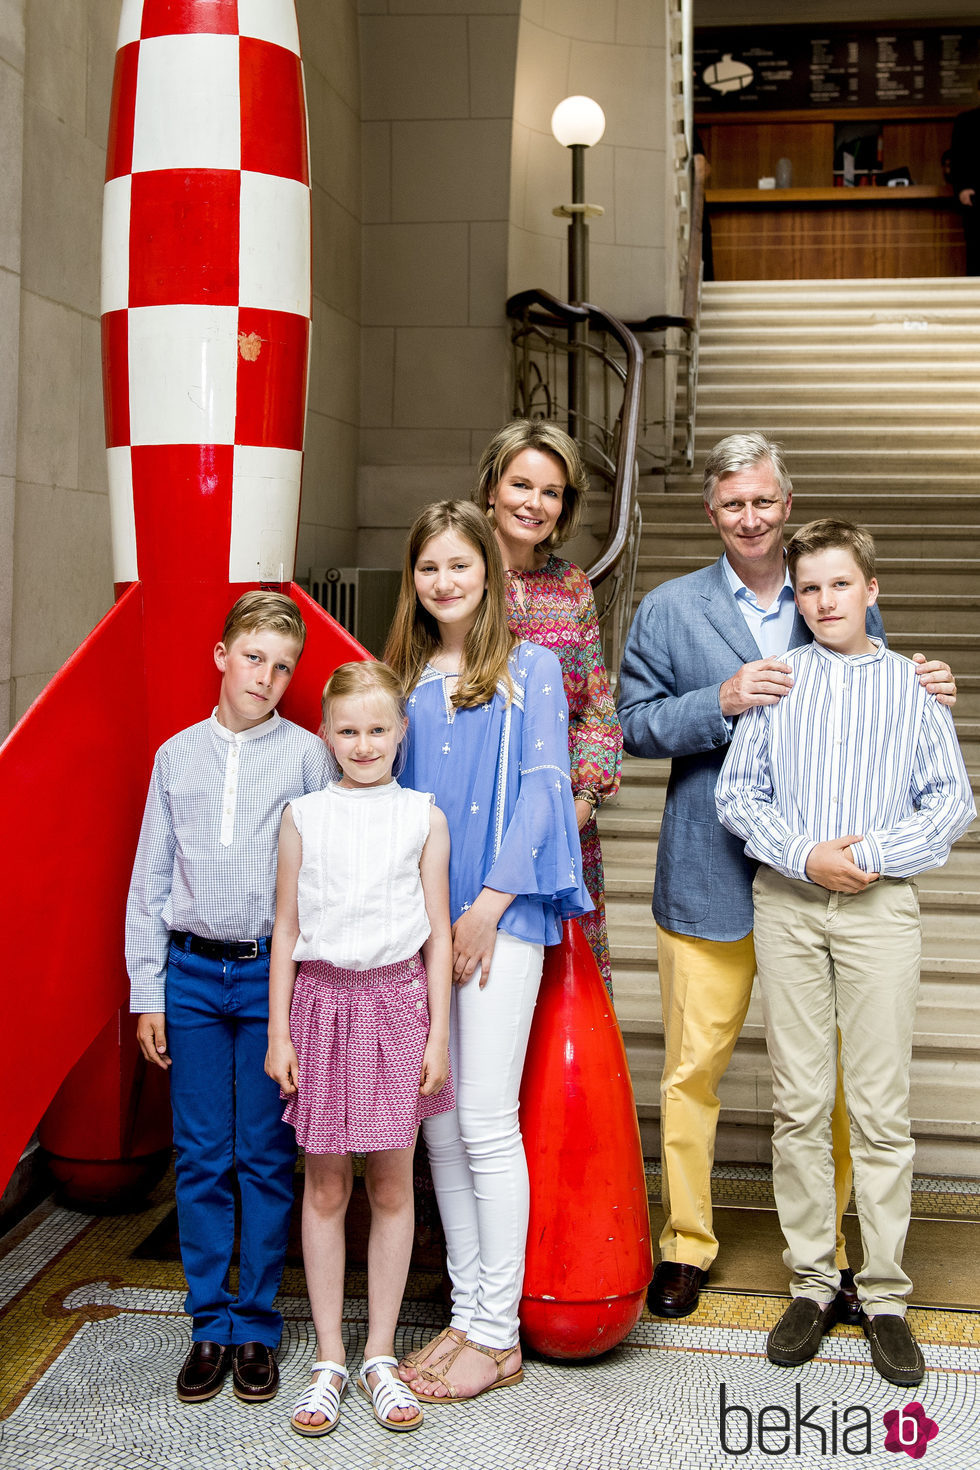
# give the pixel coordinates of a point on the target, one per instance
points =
(873, 389)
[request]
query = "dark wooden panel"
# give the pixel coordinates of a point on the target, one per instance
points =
(917, 146)
(741, 154)
(835, 243)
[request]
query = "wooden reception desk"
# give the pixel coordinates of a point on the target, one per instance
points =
(808, 234)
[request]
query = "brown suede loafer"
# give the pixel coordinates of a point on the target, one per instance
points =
(255, 1372)
(894, 1351)
(796, 1336)
(848, 1306)
(203, 1372)
(675, 1289)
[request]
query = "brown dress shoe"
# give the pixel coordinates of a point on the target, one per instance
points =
(848, 1306)
(796, 1336)
(255, 1372)
(675, 1289)
(203, 1372)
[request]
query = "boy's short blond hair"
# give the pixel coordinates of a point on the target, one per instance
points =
(267, 612)
(828, 535)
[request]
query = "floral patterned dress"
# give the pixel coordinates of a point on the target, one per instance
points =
(554, 606)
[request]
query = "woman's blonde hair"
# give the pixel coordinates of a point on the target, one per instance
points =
(543, 435)
(414, 636)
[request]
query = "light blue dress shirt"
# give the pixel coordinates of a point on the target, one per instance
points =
(771, 627)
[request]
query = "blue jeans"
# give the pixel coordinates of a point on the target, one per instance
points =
(227, 1121)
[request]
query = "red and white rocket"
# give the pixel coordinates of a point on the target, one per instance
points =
(206, 303)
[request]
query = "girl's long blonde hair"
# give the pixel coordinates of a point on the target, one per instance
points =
(414, 636)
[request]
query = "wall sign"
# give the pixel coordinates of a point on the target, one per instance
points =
(779, 68)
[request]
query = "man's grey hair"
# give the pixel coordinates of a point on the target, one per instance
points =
(740, 452)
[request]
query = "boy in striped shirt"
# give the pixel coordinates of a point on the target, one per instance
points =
(843, 790)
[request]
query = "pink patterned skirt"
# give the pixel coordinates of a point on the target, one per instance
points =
(360, 1036)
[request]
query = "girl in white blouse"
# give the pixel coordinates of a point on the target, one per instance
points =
(359, 1021)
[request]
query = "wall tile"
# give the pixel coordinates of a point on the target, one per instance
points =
(376, 172)
(589, 20)
(56, 59)
(7, 499)
(11, 167)
(336, 254)
(12, 33)
(335, 368)
(329, 473)
(92, 473)
(377, 375)
(64, 575)
(415, 274)
(493, 56)
(627, 84)
(62, 211)
(535, 260)
(541, 77)
(103, 30)
(454, 7)
(328, 37)
(50, 365)
(414, 446)
(9, 372)
(629, 280)
(639, 196)
(450, 170)
(488, 274)
(335, 145)
(638, 23)
(451, 378)
(414, 66)
(384, 491)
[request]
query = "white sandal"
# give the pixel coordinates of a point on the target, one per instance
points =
(388, 1393)
(322, 1396)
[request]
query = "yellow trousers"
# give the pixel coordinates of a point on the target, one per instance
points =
(705, 985)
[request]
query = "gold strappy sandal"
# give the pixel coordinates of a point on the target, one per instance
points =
(502, 1380)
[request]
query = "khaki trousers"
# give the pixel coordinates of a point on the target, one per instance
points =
(848, 961)
(705, 985)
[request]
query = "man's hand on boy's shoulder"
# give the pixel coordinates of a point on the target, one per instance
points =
(936, 678)
(831, 865)
(764, 681)
(151, 1033)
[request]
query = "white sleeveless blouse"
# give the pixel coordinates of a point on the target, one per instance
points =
(360, 892)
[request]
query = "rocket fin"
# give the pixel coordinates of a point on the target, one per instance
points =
(73, 777)
(327, 645)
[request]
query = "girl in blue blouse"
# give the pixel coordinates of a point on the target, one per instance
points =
(488, 735)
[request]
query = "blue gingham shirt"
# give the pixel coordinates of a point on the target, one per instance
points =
(857, 746)
(206, 860)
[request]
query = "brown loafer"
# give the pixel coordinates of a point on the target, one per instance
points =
(894, 1351)
(203, 1372)
(675, 1289)
(797, 1335)
(255, 1372)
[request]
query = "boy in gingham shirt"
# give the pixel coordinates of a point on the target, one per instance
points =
(198, 922)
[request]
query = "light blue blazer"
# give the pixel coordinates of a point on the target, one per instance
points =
(687, 638)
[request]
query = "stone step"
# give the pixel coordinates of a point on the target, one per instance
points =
(914, 289)
(906, 573)
(890, 463)
(949, 1001)
(824, 431)
(852, 497)
(775, 398)
(928, 355)
(939, 541)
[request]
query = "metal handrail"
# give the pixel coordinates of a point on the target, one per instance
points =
(539, 309)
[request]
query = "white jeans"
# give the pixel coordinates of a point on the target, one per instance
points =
(477, 1154)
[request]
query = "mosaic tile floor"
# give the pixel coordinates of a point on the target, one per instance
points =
(92, 1333)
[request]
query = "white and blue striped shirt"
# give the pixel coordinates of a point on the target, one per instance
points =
(857, 746)
(206, 860)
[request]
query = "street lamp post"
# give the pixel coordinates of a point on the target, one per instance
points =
(578, 123)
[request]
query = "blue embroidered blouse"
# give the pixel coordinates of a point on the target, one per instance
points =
(499, 771)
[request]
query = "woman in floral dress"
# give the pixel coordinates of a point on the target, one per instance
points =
(532, 485)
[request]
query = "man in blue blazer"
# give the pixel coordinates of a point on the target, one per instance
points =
(703, 649)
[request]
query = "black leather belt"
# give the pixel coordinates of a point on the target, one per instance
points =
(218, 949)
